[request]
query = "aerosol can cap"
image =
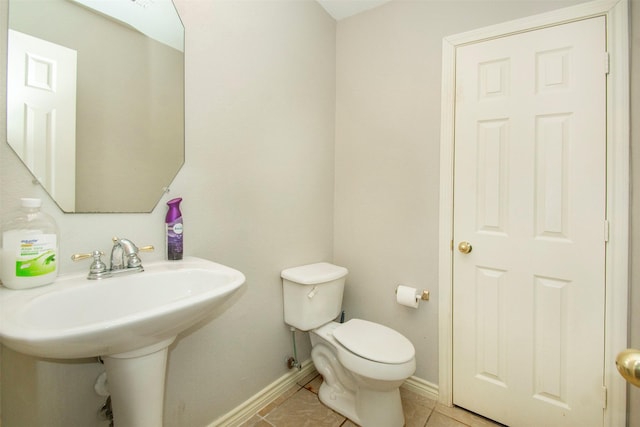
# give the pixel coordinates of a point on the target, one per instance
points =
(174, 210)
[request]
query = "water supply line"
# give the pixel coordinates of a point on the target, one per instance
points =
(292, 362)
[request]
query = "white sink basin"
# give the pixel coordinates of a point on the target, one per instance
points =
(75, 317)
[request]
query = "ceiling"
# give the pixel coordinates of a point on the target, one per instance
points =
(340, 9)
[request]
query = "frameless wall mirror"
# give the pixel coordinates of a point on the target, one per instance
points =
(95, 99)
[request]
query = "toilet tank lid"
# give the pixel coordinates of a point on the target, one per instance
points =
(313, 274)
(374, 341)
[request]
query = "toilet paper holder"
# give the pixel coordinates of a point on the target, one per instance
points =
(423, 297)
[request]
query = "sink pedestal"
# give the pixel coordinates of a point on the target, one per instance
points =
(136, 384)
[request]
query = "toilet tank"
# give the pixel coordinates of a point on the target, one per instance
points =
(312, 294)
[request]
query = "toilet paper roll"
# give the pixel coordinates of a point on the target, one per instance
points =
(406, 295)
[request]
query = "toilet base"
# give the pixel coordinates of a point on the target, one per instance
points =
(379, 408)
(369, 408)
(343, 401)
(361, 400)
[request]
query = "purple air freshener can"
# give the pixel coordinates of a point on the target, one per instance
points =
(173, 222)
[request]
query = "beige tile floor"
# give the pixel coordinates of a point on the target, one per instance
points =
(299, 407)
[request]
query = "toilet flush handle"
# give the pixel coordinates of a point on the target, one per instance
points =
(313, 292)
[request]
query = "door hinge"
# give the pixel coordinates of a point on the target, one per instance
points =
(606, 230)
(604, 397)
(607, 62)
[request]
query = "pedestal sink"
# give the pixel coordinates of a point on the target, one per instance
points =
(129, 320)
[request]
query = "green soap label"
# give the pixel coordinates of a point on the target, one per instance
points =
(43, 264)
(36, 256)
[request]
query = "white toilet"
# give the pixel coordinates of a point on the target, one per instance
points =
(363, 363)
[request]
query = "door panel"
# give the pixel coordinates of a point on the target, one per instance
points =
(41, 112)
(529, 195)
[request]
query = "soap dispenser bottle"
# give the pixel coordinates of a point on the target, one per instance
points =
(28, 247)
(173, 222)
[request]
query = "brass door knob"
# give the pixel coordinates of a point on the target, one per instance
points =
(628, 364)
(464, 247)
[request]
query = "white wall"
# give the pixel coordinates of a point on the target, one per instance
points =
(258, 185)
(258, 196)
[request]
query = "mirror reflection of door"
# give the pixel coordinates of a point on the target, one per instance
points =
(41, 112)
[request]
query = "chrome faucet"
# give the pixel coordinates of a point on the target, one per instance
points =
(124, 260)
(124, 254)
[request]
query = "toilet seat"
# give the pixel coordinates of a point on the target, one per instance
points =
(363, 366)
(374, 342)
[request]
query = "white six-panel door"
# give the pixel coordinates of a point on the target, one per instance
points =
(529, 198)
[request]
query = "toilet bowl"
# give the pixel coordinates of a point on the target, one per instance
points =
(363, 363)
(364, 390)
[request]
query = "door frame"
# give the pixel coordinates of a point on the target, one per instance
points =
(617, 203)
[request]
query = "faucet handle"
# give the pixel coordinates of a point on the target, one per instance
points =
(148, 248)
(97, 269)
(80, 257)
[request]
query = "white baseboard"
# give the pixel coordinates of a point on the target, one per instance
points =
(421, 387)
(249, 408)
